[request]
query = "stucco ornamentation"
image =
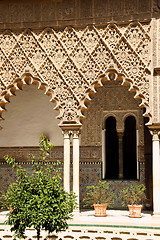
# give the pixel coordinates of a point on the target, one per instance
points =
(70, 62)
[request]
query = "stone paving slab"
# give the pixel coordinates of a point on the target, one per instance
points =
(117, 217)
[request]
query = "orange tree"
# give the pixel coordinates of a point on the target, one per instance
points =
(38, 200)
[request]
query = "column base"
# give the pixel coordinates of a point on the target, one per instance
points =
(120, 176)
(76, 212)
(156, 215)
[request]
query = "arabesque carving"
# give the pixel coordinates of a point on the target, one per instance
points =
(70, 62)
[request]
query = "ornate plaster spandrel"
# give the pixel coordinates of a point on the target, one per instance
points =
(18, 59)
(112, 36)
(7, 41)
(134, 35)
(143, 51)
(90, 39)
(74, 79)
(7, 74)
(91, 71)
(79, 55)
(53, 47)
(102, 56)
(32, 49)
(69, 39)
(49, 73)
(70, 61)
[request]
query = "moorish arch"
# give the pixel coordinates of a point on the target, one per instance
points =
(115, 100)
(30, 113)
(71, 63)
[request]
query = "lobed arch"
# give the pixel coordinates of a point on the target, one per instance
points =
(26, 79)
(112, 74)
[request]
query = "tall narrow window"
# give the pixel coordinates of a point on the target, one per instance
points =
(111, 149)
(129, 149)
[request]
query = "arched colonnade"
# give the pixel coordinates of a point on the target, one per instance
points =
(70, 64)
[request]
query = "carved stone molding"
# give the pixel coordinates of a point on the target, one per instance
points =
(40, 13)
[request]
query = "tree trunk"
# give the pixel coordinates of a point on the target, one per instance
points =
(38, 234)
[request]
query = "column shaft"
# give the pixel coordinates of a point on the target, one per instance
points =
(66, 178)
(103, 153)
(156, 173)
(76, 165)
(120, 135)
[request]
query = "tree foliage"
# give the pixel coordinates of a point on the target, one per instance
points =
(38, 200)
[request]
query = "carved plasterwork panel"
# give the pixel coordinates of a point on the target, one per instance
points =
(69, 62)
(111, 100)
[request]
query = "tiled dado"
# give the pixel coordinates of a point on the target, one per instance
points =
(90, 165)
(90, 168)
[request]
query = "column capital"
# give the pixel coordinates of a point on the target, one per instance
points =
(155, 134)
(66, 133)
(76, 133)
(70, 126)
(154, 130)
(120, 133)
(71, 129)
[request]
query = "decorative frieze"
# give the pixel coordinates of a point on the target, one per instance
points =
(39, 13)
(87, 154)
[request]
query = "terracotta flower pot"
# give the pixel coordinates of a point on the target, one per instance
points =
(100, 210)
(135, 211)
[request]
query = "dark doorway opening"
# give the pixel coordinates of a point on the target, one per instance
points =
(130, 149)
(111, 145)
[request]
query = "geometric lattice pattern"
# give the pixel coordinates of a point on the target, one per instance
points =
(70, 62)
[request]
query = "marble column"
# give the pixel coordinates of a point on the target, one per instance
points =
(120, 137)
(156, 172)
(75, 135)
(66, 170)
(103, 153)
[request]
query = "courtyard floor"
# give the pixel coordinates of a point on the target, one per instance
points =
(117, 218)
(85, 226)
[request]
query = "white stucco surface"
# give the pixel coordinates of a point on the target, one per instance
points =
(28, 115)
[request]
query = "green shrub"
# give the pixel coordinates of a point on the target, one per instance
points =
(37, 199)
(99, 194)
(133, 195)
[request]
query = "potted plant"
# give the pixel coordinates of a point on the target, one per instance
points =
(100, 196)
(134, 197)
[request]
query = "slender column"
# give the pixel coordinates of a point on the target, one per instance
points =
(76, 164)
(103, 153)
(120, 135)
(137, 152)
(156, 172)
(66, 170)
